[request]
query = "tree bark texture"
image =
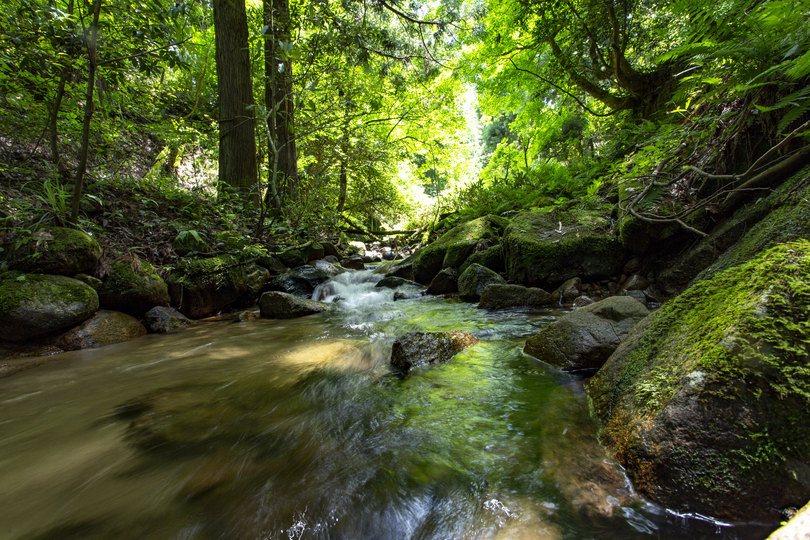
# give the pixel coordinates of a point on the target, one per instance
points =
(237, 138)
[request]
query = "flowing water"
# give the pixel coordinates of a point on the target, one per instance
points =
(291, 429)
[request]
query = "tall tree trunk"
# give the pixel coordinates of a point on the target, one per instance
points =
(344, 184)
(88, 113)
(237, 137)
(53, 133)
(278, 97)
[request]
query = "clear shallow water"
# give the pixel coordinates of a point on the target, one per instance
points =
(297, 429)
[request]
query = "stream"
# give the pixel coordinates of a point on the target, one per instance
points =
(293, 429)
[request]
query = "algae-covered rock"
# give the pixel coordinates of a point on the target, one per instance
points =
(101, 329)
(279, 305)
(421, 348)
(491, 258)
(550, 247)
(707, 402)
(36, 304)
(133, 287)
(452, 249)
(475, 279)
(55, 250)
(202, 287)
(584, 339)
(503, 296)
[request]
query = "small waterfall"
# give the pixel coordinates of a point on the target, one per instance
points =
(353, 289)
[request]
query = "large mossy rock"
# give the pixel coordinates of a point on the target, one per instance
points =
(491, 258)
(55, 250)
(280, 305)
(422, 348)
(35, 304)
(453, 249)
(202, 287)
(550, 247)
(101, 329)
(475, 279)
(133, 287)
(503, 296)
(707, 403)
(584, 339)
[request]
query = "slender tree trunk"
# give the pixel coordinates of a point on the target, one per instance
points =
(237, 137)
(88, 113)
(278, 97)
(53, 133)
(343, 185)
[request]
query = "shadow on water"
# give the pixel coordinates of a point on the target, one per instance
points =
(297, 429)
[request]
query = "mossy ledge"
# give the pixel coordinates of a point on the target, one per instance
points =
(708, 402)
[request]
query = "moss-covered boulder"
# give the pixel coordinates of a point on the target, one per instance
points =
(543, 248)
(293, 258)
(455, 246)
(504, 296)
(473, 281)
(583, 340)
(55, 250)
(491, 258)
(707, 402)
(101, 329)
(201, 287)
(35, 304)
(133, 287)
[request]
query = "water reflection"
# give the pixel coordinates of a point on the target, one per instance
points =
(296, 429)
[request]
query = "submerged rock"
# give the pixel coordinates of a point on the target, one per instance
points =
(36, 304)
(55, 250)
(475, 279)
(421, 348)
(391, 282)
(133, 287)
(279, 305)
(584, 339)
(706, 402)
(503, 296)
(160, 320)
(101, 329)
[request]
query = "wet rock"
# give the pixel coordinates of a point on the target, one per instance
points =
(331, 259)
(475, 279)
(491, 257)
(160, 320)
(421, 348)
(300, 281)
(312, 251)
(798, 528)
(90, 280)
(705, 403)
(634, 283)
(257, 278)
(402, 269)
(583, 301)
(409, 295)
(190, 242)
(133, 286)
(353, 263)
(201, 287)
(584, 339)
(391, 282)
(330, 268)
(330, 250)
(632, 266)
(543, 248)
(293, 258)
(56, 251)
(445, 282)
(503, 296)
(273, 264)
(453, 248)
(248, 315)
(35, 304)
(102, 328)
(356, 248)
(568, 291)
(368, 259)
(279, 305)
(639, 296)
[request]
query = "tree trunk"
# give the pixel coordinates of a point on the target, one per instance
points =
(278, 97)
(344, 183)
(88, 113)
(237, 137)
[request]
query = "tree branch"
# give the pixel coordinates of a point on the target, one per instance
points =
(140, 54)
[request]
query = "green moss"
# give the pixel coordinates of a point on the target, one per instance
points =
(214, 271)
(125, 277)
(56, 250)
